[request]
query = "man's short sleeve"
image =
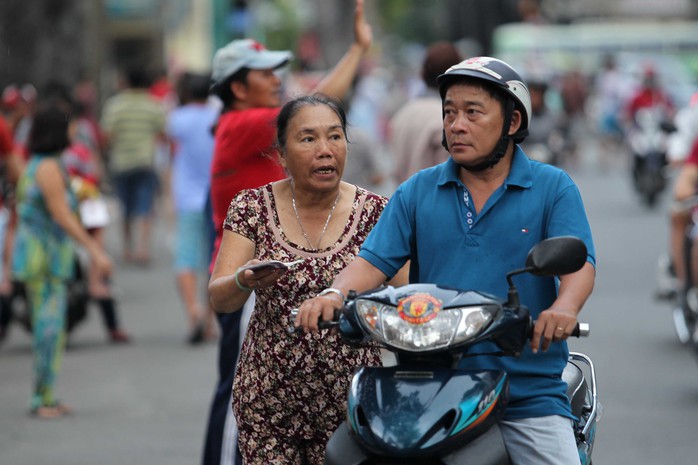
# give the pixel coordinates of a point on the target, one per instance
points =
(389, 255)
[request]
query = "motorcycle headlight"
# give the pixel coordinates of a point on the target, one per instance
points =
(419, 322)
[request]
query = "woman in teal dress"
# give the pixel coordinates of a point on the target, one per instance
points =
(44, 254)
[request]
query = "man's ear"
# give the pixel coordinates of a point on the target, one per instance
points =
(515, 122)
(239, 90)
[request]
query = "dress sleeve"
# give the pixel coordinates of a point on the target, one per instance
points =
(244, 213)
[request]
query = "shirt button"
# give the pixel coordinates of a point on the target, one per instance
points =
(470, 221)
(470, 214)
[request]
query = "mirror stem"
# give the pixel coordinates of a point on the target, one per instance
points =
(513, 294)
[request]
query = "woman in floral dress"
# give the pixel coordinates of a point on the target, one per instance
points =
(290, 389)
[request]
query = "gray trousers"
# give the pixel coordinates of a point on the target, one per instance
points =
(540, 441)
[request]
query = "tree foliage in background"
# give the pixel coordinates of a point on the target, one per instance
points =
(414, 21)
(281, 24)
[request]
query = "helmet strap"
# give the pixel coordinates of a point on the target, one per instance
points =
(502, 144)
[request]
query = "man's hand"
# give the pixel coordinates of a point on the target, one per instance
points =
(552, 325)
(363, 34)
(317, 309)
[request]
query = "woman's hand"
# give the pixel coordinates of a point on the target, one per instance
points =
(363, 34)
(261, 278)
(102, 264)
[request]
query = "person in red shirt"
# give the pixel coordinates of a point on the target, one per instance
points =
(649, 95)
(10, 169)
(246, 79)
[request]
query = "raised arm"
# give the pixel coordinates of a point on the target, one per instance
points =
(338, 81)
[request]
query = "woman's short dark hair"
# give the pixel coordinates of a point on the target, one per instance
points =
(291, 108)
(49, 130)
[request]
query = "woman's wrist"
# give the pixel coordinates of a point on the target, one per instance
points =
(241, 286)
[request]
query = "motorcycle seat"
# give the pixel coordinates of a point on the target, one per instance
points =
(576, 388)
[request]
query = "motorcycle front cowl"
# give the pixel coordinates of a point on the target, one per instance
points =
(507, 327)
(413, 412)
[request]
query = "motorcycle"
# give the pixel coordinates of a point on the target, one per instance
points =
(425, 410)
(647, 141)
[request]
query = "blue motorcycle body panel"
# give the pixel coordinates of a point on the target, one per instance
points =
(410, 412)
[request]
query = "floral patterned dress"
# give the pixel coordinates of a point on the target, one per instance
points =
(43, 260)
(294, 386)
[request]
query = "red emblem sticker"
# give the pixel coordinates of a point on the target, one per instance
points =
(418, 309)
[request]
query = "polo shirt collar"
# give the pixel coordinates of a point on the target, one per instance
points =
(520, 174)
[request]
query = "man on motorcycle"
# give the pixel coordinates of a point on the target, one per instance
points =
(649, 95)
(468, 221)
(684, 188)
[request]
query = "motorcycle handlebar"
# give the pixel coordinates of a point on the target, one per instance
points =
(580, 330)
(321, 324)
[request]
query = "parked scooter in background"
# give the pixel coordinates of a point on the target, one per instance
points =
(425, 410)
(647, 141)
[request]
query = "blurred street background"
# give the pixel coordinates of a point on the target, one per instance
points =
(147, 402)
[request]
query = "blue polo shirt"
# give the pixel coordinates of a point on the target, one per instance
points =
(430, 220)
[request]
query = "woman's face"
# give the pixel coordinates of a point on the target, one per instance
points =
(316, 148)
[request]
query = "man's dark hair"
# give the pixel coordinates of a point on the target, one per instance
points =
(223, 92)
(492, 90)
(198, 86)
(138, 78)
(438, 58)
(193, 87)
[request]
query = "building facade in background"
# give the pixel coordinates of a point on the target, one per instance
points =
(67, 40)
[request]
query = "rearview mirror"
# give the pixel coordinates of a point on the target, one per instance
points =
(557, 256)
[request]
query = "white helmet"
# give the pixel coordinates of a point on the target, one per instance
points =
(499, 73)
